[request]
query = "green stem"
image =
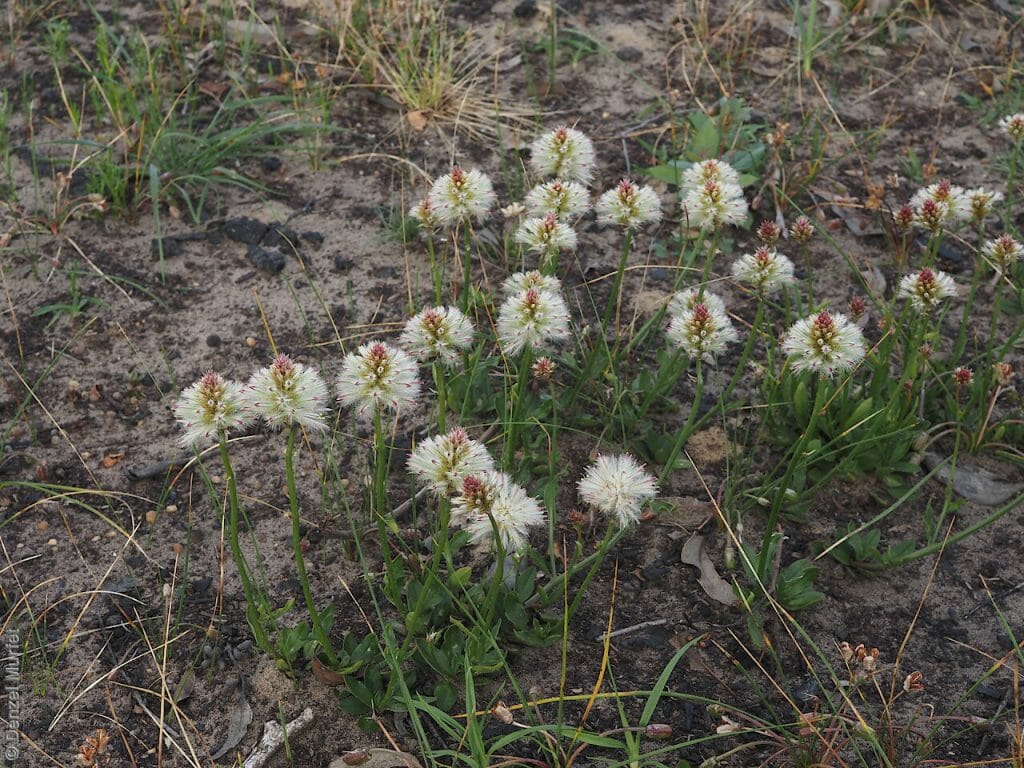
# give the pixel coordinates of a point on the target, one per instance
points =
(436, 272)
(687, 430)
(780, 494)
(515, 408)
(599, 556)
(615, 297)
(379, 465)
(254, 601)
(466, 269)
(543, 594)
(300, 561)
(441, 384)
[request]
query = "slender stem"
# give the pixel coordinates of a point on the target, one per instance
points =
(796, 459)
(466, 268)
(441, 384)
(557, 583)
(515, 408)
(300, 561)
(379, 464)
(615, 297)
(602, 551)
(253, 599)
(688, 427)
(436, 272)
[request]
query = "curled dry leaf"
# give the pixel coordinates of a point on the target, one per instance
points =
(238, 724)
(375, 758)
(714, 585)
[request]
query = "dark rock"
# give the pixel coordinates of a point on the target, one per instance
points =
(171, 247)
(213, 340)
(343, 263)
(269, 261)
(660, 274)
(629, 54)
(245, 230)
(313, 238)
(271, 163)
(280, 236)
(525, 10)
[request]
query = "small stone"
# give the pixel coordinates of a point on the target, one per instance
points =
(216, 479)
(271, 163)
(343, 263)
(268, 261)
(629, 54)
(94, 539)
(151, 516)
(250, 342)
(313, 238)
(110, 534)
(527, 9)
(177, 548)
(51, 543)
(280, 236)
(171, 508)
(213, 340)
(86, 455)
(170, 247)
(245, 230)
(42, 525)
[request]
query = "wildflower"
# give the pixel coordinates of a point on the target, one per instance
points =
(565, 199)
(686, 300)
(546, 236)
(1013, 126)
(715, 204)
(438, 333)
(443, 462)
(824, 343)
(378, 375)
(927, 288)
(963, 377)
(858, 308)
(980, 203)
(718, 171)
(1002, 253)
(1003, 373)
(801, 230)
(208, 408)
(425, 215)
(524, 281)
(618, 486)
(461, 195)
(768, 233)
(940, 205)
(564, 153)
(532, 318)
(543, 369)
(701, 332)
(513, 211)
(286, 393)
(904, 218)
(628, 206)
(491, 501)
(765, 269)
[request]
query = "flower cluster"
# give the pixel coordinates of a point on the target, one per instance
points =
(1013, 126)
(712, 195)
(460, 196)
(443, 462)
(940, 206)
(378, 375)
(533, 318)
(286, 393)
(618, 486)
(440, 333)
(491, 503)
(563, 153)
(628, 206)
(699, 325)
(926, 289)
(210, 408)
(1002, 253)
(765, 270)
(824, 343)
(546, 236)
(565, 199)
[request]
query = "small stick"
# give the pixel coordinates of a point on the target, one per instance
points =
(634, 628)
(273, 737)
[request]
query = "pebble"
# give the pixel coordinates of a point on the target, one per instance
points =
(629, 54)
(151, 516)
(213, 340)
(343, 263)
(171, 247)
(525, 10)
(268, 261)
(313, 238)
(250, 341)
(271, 163)
(245, 230)
(42, 525)
(216, 479)
(51, 543)
(171, 508)
(177, 548)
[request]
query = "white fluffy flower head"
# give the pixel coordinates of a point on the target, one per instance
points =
(718, 171)
(702, 331)
(439, 333)
(715, 204)
(619, 487)
(461, 195)
(443, 462)
(926, 289)
(491, 500)
(533, 318)
(825, 343)
(1013, 126)
(687, 299)
(765, 270)
(425, 215)
(1002, 253)
(564, 153)
(941, 205)
(286, 393)
(524, 281)
(628, 206)
(546, 236)
(565, 199)
(378, 375)
(208, 408)
(980, 202)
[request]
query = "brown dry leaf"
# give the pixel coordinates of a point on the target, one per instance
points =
(417, 119)
(238, 724)
(714, 585)
(215, 89)
(111, 460)
(849, 209)
(325, 674)
(375, 758)
(686, 512)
